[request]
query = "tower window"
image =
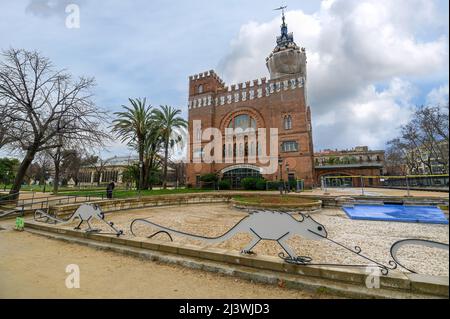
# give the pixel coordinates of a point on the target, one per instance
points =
(290, 146)
(200, 89)
(288, 122)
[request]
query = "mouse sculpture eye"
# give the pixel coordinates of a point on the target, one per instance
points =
(319, 228)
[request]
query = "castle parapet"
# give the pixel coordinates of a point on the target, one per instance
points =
(235, 93)
(205, 82)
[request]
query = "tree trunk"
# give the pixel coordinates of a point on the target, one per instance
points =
(56, 180)
(150, 166)
(99, 176)
(146, 174)
(141, 166)
(166, 151)
(28, 159)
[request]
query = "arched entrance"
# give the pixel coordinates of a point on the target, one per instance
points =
(235, 174)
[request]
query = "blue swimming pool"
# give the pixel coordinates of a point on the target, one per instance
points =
(397, 213)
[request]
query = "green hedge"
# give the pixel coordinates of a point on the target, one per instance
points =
(209, 178)
(224, 184)
(261, 184)
(253, 183)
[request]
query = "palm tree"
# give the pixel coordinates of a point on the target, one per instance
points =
(132, 127)
(152, 147)
(169, 122)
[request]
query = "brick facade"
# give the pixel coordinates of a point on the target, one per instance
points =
(276, 100)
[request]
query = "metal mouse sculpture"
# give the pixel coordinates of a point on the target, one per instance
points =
(261, 225)
(85, 213)
(280, 227)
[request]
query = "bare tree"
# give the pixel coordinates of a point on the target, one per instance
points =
(395, 158)
(427, 132)
(67, 150)
(424, 141)
(44, 105)
(434, 127)
(40, 170)
(5, 136)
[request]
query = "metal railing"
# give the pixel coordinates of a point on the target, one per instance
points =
(11, 204)
(406, 182)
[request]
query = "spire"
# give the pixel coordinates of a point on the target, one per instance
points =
(284, 28)
(286, 38)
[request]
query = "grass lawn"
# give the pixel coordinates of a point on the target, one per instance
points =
(255, 199)
(49, 188)
(133, 193)
(101, 191)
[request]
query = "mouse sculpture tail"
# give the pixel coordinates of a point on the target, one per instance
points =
(230, 233)
(41, 216)
(417, 242)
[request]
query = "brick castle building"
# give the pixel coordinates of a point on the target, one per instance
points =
(279, 102)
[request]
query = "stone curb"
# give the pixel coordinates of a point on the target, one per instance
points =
(395, 281)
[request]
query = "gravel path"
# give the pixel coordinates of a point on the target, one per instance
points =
(374, 237)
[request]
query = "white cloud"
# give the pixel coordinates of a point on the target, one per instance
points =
(438, 96)
(353, 48)
(369, 118)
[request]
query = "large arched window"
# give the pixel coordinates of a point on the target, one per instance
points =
(243, 122)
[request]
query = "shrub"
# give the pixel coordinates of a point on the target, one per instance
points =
(252, 183)
(209, 178)
(249, 183)
(209, 181)
(273, 186)
(261, 184)
(224, 184)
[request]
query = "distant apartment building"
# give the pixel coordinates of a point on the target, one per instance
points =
(345, 165)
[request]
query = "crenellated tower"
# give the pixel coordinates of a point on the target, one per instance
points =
(286, 58)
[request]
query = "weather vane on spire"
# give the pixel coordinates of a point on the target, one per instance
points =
(282, 8)
(285, 38)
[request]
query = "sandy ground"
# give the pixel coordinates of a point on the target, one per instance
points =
(34, 267)
(374, 237)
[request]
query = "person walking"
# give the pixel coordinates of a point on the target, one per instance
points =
(109, 190)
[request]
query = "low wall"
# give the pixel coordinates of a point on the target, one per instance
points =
(226, 197)
(150, 201)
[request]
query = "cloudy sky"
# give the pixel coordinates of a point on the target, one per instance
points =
(369, 61)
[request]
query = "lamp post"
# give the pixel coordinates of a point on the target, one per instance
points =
(281, 184)
(288, 185)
